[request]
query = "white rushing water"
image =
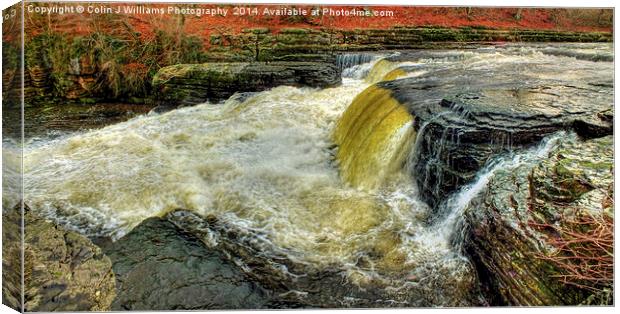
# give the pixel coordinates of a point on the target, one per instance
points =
(265, 163)
(445, 230)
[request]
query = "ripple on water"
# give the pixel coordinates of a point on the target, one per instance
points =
(265, 163)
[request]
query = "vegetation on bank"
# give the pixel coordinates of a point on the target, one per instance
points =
(575, 213)
(105, 64)
(90, 58)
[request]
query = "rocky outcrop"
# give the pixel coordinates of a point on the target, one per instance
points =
(63, 270)
(187, 261)
(465, 115)
(300, 43)
(160, 267)
(517, 226)
(294, 283)
(188, 84)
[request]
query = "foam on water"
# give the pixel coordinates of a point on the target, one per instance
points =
(266, 163)
(446, 228)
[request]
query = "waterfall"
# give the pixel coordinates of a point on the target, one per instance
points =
(349, 60)
(414, 154)
(371, 68)
(380, 70)
(265, 165)
(447, 226)
(394, 74)
(432, 152)
(361, 70)
(374, 136)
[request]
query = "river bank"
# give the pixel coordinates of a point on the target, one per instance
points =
(113, 58)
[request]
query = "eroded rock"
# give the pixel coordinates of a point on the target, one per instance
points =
(470, 111)
(189, 84)
(63, 270)
(513, 224)
(161, 267)
(297, 284)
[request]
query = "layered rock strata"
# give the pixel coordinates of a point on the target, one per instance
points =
(188, 84)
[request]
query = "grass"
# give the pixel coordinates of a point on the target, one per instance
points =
(124, 63)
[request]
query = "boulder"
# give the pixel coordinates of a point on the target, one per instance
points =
(63, 270)
(189, 84)
(518, 225)
(161, 267)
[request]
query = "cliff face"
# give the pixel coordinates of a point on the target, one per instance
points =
(234, 21)
(102, 67)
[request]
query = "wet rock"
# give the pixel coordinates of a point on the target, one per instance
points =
(596, 56)
(507, 238)
(160, 267)
(297, 284)
(189, 84)
(469, 113)
(64, 271)
(70, 117)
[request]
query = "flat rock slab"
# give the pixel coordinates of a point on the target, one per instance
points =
(295, 283)
(160, 267)
(471, 110)
(190, 84)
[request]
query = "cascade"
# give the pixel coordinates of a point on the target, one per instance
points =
(374, 136)
(379, 71)
(394, 74)
(264, 163)
(349, 60)
(447, 226)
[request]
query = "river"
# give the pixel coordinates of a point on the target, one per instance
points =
(268, 162)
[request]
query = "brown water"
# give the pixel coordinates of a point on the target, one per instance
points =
(268, 163)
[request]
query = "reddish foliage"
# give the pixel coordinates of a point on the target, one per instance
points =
(136, 68)
(204, 26)
(584, 247)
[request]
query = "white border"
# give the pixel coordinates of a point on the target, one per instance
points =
(490, 3)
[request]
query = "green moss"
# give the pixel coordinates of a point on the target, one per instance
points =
(297, 31)
(257, 30)
(11, 55)
(124, 63)
(88, 100)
